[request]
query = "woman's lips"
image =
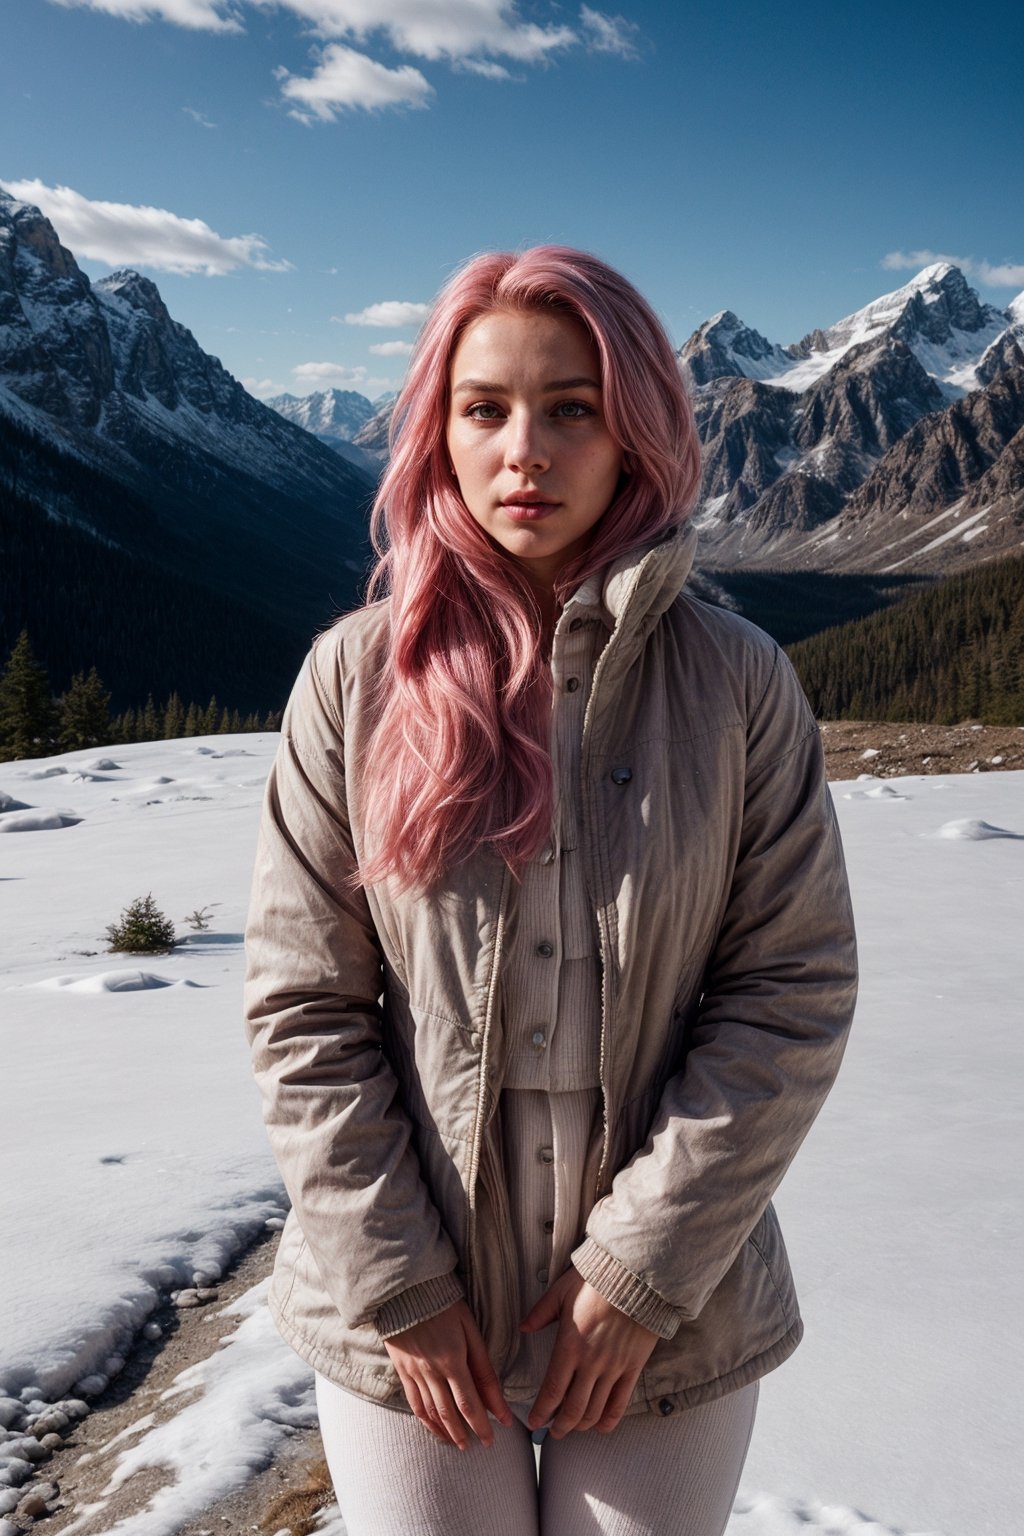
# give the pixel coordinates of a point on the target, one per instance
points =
(529, 511)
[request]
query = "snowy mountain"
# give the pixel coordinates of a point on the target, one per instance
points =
(791, 434)
(196, 477)
(335, 416)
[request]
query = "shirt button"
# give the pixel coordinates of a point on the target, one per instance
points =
(666, 1406)
(549, 1226)
(546, 1155)
(542, 1276)
(621, 775)
(571, 684)
(545, 950)
(539, 1039)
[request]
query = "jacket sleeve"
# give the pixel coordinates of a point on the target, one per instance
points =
(771, 1026)
(312, 1002)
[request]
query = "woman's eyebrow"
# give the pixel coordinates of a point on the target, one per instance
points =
(481, 386)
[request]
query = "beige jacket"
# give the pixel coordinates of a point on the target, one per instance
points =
(716, 876)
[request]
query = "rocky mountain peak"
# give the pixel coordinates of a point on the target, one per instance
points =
(136, 291)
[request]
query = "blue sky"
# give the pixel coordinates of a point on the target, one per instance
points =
(279, 165)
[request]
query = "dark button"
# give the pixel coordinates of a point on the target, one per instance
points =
(575, 625)
(539, 1039)
(666, 1406)
(545, 950)
(546, 1155)
(549, 1226)
(542, 1276)
(571, 684)
(621, 775)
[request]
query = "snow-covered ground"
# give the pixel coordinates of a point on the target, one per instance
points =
(134, 1155)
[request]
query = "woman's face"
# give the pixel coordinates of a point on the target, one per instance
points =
(535, 462)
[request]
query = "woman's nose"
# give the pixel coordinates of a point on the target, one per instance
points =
(526, 450)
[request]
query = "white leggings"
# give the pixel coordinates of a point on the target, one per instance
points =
(651, 1476)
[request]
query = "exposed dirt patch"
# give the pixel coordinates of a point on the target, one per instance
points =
(82, 1468)
(906, 748)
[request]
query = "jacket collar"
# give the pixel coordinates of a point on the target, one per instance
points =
(632, 591)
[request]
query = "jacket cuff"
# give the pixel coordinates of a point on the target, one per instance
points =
(417, 1304)
(625, 1290)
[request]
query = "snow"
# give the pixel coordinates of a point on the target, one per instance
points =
(134, 1144)
(942, 538)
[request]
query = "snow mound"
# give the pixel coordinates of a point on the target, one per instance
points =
(86, 776)
(8, 803)
(102, 765)
(973, 829)
(44, 773)
(763, 1515)
(113, 981)
(880, 792)
(38, 821)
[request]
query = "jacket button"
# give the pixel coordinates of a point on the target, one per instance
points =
(666, 1405)
(621, 775)
(546, 1155)
(545, 950)
(549, 1226)
(571, 684)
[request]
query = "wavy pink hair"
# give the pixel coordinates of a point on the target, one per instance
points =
(459, 757)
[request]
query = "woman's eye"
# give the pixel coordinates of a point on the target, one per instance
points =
(576, 408)
(484, 410)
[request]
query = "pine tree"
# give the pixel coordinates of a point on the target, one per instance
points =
(174, 718)
(142, 928)
(148, 727)
(84, 713)
(29, 719)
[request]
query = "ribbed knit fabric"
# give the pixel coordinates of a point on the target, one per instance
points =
(652, 1476)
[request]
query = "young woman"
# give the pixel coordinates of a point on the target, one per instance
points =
(551, 958)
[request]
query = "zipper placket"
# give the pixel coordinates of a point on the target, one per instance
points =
(481, 1103)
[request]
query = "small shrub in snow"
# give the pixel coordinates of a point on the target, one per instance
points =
(199, 919)
(142, 929)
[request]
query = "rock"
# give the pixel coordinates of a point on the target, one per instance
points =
(152, 1331)
(25, 1447)
(274, 1223)
(995, 761)
(51, 1442)
(91, 1386)
(8, 1528)
(8, 1500)
(10, 1411)
(74, 1407)
(113, 1365)
(207, 1293)
(185, 1299)
(35, 1501)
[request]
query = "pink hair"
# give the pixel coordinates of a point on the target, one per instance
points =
(459, 756)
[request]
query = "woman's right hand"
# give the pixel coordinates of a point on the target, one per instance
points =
(448, 1377)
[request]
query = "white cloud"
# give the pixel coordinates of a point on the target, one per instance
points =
(198, 15)
(485, 67)
(608, 34)
(262, 389)
(199, 117)
(1005, 274)
(436, 29)
(391, 313)
(391, 348)
(310, 377)
(127, 234)
(344, 78)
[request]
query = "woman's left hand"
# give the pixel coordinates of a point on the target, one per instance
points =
(597, 1357)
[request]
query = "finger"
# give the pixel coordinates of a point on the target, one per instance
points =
(542, 1313)
(553, 1388)
(420, 1409)
(487, 1382)
(447, 1413)
(470, 1405)
(598, 1400)
(615, 1407)
(574, 1404)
